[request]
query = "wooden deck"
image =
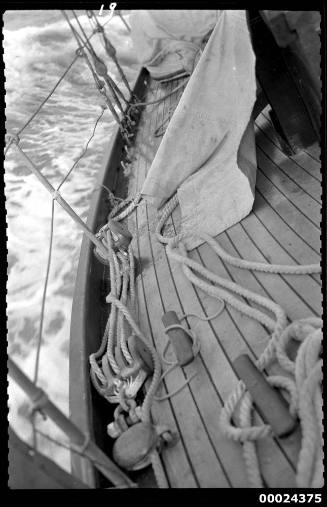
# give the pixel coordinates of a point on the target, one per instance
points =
(284, 228)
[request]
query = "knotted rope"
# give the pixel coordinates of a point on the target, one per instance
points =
(195, 349)
(306, 401)
(305, 392)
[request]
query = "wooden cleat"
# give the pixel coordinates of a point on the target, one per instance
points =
(269, 402)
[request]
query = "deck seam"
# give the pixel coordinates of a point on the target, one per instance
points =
(281, 275)
(289, 200)
(149, 322)
(183, 369)
(272, 140)
(221, 345)
(265, 153)
(231, 364)
(174, 415)
(287, 224)
(282, 247)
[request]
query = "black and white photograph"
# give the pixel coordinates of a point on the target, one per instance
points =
(164, 296)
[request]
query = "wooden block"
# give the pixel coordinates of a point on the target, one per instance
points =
(181, 342)
(133, 447)
(269, 402)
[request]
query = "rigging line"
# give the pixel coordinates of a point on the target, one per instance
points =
(38, 350)
(85, 149)
(81, 47)
(98, 82)
(123, 20)
(111, 84)
(48, 96)
(70, 448)
(94, 28)
(89, 45)
(39, 342)
(110, 49)
(82, 44)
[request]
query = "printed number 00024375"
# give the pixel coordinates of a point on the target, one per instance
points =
(286, 498)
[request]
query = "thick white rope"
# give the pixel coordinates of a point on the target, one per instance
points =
(309, 467)
(246, 433)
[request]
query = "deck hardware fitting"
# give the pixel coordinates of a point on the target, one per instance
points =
(270, 403)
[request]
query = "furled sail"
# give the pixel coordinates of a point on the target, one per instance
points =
(207, 154)
(168, 43)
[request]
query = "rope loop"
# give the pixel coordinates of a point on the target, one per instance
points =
(82, 448)
(304, 374)
(14, 138)
(38, 403)
(80, 52)
(55, 195)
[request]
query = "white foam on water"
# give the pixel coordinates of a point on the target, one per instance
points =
(35, 57)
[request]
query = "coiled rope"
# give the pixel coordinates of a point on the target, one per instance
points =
(304, 390)
(307, 367)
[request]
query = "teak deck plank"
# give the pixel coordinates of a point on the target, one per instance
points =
(177, 463)
(299, 251)
(205, 465)
(290, 214)
(308, 160)
(284, 229)
(283, 167)
(226, 349)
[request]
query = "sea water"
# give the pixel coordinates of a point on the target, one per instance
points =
(38, 47)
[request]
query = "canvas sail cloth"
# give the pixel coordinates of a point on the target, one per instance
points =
(208, 151)
(168, 42)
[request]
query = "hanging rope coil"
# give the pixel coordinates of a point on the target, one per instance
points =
(229, 292)
(110, 49)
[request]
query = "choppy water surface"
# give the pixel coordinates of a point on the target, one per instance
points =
(38, 46)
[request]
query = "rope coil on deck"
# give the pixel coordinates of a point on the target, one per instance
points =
(309, 469)
(304, 388)
(226, 291)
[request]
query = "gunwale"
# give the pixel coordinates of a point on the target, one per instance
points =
(284, 228)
